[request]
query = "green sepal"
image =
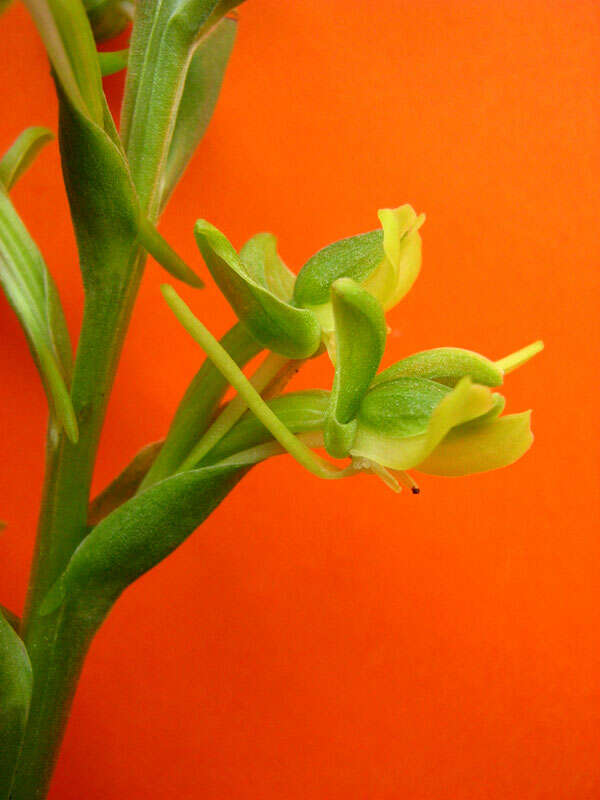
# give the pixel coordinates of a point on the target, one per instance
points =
(402, 407)
(355, 257)
(264, 264)
(360, 334)
(200, 93)
(16, 680)
(445, 365)
(22, 153)
(386, 263)
(480, 446)
(278, 326)
(108, 18)
(301, 412)
(32, 294)
(401, 422)
(113, 61)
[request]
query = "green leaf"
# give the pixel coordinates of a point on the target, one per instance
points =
(33, 296)
(200, 93)
(67, 36)
(136, 537)
(300, 412)
(19, 157)
(360, 333)
(401, 422)
(125, 485)
(265, 266)
(164, 37)
(113, 61)
(480, 447)
(15, 695)
(102, 198)
(278, 326)
(161, 250)
(446, 365)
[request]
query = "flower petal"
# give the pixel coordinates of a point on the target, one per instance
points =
(465, 402)
(479, 447)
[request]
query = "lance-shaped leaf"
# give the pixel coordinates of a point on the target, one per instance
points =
(136, 537)
(278, 326)
(67, 36)
(384, 262)
(401, 422)
(164, 38)
(102, 199)
(200, 93)
(446, 365)
(15, 697)
(360, 333)
(33, 296)
(21, 154)
(105, 210)
(480, 446)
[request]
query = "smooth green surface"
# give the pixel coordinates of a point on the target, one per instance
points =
(34, 298)
(15, 696)
(300, 412)
(113, 61)
(480, 447)
(263, 263)
(19, 157)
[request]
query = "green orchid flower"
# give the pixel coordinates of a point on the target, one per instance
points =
(385, 263)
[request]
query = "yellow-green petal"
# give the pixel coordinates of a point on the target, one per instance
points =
(480, 447)
(465, 402)
(399, 269)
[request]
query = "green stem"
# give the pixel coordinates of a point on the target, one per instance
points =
(63, 524)
(264, 375)
(198, 406)
(223, 361)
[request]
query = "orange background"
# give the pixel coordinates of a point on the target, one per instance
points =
(334, 640)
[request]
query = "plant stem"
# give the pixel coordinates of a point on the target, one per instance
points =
(264, 375)
(63, 524)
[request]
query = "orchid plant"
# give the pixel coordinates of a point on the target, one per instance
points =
(434, 412)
